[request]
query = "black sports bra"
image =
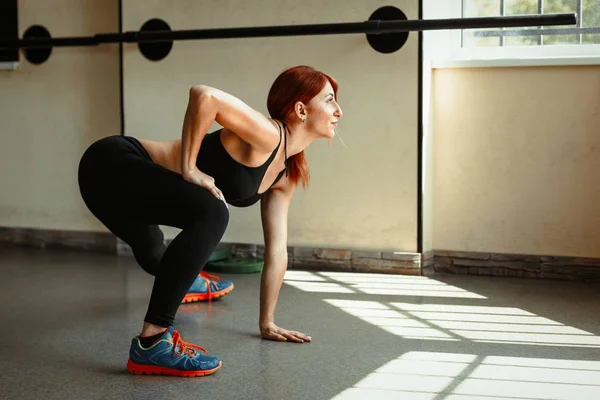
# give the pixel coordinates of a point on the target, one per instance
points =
(239, 183)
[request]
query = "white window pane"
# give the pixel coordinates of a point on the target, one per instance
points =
(559, 6)
(589, 18)
(516, 7)
(481, 8)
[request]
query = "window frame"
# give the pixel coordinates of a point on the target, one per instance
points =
(443, 49)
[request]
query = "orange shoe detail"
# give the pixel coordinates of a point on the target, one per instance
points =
(181, 348)
(209, 279)
(155, 370)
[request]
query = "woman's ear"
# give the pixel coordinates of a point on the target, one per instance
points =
(300, 110)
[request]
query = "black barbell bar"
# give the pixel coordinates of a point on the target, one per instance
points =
(372, 27)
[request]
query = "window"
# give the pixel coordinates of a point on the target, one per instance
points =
(587, 30)
(525, 46)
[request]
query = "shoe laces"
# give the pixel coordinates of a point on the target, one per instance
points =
(207, 276)
(209, 279)
(185, 347)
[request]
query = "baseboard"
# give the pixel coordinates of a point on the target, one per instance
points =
(339, 260)
(300, 258)
(513, 265)
(344, 260)
(54, 238)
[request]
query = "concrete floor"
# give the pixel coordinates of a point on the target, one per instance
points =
(68, 317)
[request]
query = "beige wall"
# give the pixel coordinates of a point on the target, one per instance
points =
(51, 112)
(361, 197)
(513, 151)
(516, 160)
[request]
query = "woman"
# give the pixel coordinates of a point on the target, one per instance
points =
(132, 186)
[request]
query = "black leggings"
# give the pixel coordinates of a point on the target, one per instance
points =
(131, 195)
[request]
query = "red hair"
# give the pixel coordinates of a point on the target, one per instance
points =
(300, 83)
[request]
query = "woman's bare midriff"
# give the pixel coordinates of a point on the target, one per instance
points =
(168, 155)
(165, 154)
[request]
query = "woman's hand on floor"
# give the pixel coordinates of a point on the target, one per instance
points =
(273, 332)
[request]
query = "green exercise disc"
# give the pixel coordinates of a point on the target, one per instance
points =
(236, 265)
(221, 254)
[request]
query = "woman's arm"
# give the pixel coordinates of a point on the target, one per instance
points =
(274, 213)
(207, 104)
(199, 115)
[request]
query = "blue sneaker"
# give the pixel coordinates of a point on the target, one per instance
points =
(207, 287)
(171, 356)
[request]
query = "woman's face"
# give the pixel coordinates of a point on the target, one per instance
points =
(323, 113)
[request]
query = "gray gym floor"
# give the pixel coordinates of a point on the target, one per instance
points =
(68, 317)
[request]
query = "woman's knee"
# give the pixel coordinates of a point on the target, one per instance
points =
(213, 213)
(220, 215)
(147, 245)
(149, 259)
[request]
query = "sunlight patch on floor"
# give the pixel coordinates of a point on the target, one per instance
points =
(449, 376)
(375, 284)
